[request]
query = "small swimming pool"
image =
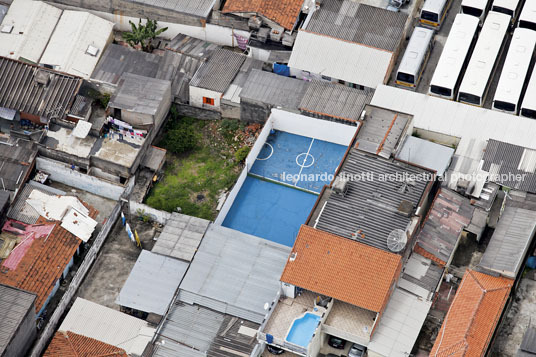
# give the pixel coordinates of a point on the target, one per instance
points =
(302, 329)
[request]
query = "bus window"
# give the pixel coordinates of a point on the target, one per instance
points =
(471, 11)
(429, 16)
(469, 98)
(507, 107)
(442, 91)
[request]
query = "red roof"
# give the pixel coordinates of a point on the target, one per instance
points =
(341, 268)
(44, 260)
(283, 12)
(70, 344)
(473, 316)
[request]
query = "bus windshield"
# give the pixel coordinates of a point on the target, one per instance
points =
(441, 91)
(430, 16)
(469, 98)
(469, 10)
(509, 107)
(405, 77)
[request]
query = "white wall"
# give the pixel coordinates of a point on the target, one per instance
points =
(156, 215)
(231, 197)
(212, 33)
(63, 173)
(259, 143)
(197, 94)
(320, 129)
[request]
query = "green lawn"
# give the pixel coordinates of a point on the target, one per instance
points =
(195, 179)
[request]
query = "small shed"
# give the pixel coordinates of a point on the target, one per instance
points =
(17, 321)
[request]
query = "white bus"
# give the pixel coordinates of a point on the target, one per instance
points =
(482, 65)
(477, 8)
(415, 58)
(456, 53)
(528, 108)
(527, 19)
(433, 12)
(508, 7)
(515, 70)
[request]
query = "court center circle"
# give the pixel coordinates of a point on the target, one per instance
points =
(305, 160)
(270, 155)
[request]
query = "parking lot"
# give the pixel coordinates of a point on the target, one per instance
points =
(439, 42)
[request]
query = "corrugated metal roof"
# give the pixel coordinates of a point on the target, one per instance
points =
(68, 46)
(370, 204)
(20, 89)
(16, 159)
(510, 241)
(198, 8)
(219, 71)
(108, 325)
(510, 165)
(335, 100)
(329, 56)
(192, 46)
(140, 94)
(152, 283)
(14, 305)
(426, 154)
(356, 22)
(528, 345)
(21, 211)
(118, 59)
(421, 276)
(382, 132)
(234, 270)
(449, 215)
(181, 236)
(399, 325)
(193, 330)
(273, 89)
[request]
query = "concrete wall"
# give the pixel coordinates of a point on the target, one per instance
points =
(156, 215)
(314, 128)
(63, 173)
(197, 94)
(137, 119)
(230, 110)
(63, 157)
(24, 336)
(254, 112)
(199, 113)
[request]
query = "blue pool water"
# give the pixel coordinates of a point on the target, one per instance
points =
(269, 210)
(302, 329)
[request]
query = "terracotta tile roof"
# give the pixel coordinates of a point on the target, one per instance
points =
(70, 344)
(283, 12)
(44, 261)
(341, 268)
(473, 316)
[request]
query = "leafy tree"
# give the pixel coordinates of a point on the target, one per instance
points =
(143, 35)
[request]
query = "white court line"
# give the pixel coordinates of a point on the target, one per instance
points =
(271, 153)
(307, 155)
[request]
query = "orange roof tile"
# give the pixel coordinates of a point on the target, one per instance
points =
(473, 315)
(70, 344)
(44, 261)
(341, 268)
(283, 12)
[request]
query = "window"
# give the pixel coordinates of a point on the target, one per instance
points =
(207, 100)
(502, 105)
(429, 16)
(440, 90)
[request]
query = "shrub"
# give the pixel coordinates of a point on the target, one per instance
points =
(181, 138)
(242, 153)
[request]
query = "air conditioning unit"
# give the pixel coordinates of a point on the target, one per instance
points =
(42, 77)
(405, 208)
(92, 51)
(276, 34)
(7, 28)
(262, 34)
(255, 22)
(340, 186)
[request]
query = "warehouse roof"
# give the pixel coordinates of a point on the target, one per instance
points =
(33, 23)
(510, 165)
(426, 154)
(283, 12)
(356, 22)
(510, 242)
(108, 325)
(273, 89)
(77, 43)
(14, 306)
(193, 330)
(41, 262)
(341, 268)
(449, 215)
(381, 197)
(197, 8)
(234, 273)
(218, 72)
(473, 316)
(36, 90)
(70, 344)
(139, 94)
(335, 100)
(152, 283)
(181, 236)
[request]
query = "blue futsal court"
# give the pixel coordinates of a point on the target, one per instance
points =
(271, 206)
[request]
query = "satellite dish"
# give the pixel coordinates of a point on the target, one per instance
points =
(396, 241)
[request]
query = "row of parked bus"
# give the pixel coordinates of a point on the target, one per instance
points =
(468, 61)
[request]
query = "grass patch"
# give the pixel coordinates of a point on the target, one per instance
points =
(194, 180)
